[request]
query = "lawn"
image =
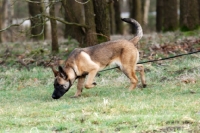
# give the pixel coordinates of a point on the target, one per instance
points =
(169, 103)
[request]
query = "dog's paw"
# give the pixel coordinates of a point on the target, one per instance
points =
(98, 75)
(91, 86)
(144, 85)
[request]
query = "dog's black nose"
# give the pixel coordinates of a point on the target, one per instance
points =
(54, 96)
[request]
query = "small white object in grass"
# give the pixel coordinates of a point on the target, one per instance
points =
(105, 101)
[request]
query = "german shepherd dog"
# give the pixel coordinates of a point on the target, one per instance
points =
(88, 61)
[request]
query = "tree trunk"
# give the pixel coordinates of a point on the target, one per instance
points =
(170, 14)
(91, 35)
(45, 27)
(136, 11)
(8, 16)
(118, 22)
(54, 37)
(1, 19)
(159, 15)
(73, 13)
(189, 14)
(112, 16)
(199, 10)
(102, 20)
(37, 26)
(145, 10)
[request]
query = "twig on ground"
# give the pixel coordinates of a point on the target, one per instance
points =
(23, 64)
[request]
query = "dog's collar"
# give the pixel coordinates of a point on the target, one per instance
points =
(77, 76)
(75, 73)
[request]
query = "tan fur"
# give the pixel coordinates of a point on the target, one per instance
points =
(61, 81)
(88, 61)
(92, 59)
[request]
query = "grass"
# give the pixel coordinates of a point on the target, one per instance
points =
(166, 105)
(170, 103)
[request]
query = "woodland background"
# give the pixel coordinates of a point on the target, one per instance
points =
(91, 21)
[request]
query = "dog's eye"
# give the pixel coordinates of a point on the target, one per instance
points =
(66, 86)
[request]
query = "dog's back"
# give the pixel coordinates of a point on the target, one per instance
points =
(111, 52)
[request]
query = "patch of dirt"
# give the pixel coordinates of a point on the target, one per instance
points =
(175, 128)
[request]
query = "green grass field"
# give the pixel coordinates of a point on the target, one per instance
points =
(170, 103)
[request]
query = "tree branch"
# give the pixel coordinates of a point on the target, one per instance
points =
(47, 16)
(44, 1)
(82, 2)
(65, 22)
(13, 25)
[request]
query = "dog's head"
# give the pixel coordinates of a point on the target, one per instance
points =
(63, 82)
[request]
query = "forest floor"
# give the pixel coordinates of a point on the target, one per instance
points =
(170, 103)
(152, 46)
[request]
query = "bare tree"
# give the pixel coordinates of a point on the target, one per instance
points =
(54, 37)
(8, 9)
(199, 10)
(112, 16)
(170, 13)
(91, 35)
(118, 22)
(73, 13)
(102, 20)
(145, 11)
(37, 25)
(159, 15)
(167, 15)
(189, 14)
(136, 11)
(1, 18)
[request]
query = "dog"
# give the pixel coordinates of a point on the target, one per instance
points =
(83, 62)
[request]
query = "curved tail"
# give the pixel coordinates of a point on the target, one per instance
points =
(139, 32)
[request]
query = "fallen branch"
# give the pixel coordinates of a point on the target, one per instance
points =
(23, 64)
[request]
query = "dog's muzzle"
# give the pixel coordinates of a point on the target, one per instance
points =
(60, 90)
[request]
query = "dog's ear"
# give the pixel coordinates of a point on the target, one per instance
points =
(56, 73)
(62, 72)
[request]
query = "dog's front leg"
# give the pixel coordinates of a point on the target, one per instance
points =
(80, 85)
(91, 75)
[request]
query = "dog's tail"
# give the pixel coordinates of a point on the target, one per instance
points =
(139, 32)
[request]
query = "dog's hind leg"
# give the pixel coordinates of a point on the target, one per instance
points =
(130, 73)
(80, 85)
(140, 69)
(134, 80)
